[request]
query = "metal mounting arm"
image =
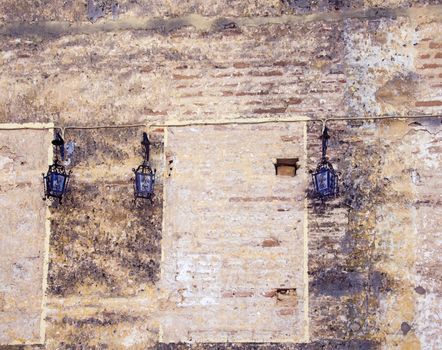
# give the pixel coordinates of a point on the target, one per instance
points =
(146, 144)
(325, 136)
(58, 142)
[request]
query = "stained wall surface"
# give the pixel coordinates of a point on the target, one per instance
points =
(104, 253)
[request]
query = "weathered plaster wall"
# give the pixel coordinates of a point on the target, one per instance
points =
(261, 68)
(373, 253)
(409, 233)
(24, 156)
(273, 71)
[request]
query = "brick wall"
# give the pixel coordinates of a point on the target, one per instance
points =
(234, 256)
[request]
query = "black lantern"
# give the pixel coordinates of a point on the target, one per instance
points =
(56, 179)
(144, 176)
(325, 179)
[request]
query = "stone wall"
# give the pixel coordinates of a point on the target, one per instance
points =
(121, 275)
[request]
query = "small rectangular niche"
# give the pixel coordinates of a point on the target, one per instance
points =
(286, 166)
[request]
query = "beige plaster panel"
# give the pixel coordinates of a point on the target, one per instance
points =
(409, 236)
(233, 234)
(23, 157)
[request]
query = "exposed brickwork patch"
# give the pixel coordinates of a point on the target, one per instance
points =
(428, 103)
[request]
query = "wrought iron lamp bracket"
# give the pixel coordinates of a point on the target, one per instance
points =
(325, 179)
(144, 180)
(56, 180)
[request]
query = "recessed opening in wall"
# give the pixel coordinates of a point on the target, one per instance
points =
(286, 296)
(286, 166)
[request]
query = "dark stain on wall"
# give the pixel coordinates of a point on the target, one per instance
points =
(303, 6)
(168, 26)
(319, 345)
(337, 282)
(358, 344)
(99, 238)
(345, 287)
(105, 319)
(93, 252)
(96, 147)
(222, 24)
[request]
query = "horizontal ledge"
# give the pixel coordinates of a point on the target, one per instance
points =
(28, 126)
(226, 122)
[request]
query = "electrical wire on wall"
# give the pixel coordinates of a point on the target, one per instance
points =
(48, 126)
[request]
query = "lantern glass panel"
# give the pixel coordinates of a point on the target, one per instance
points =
(56, 183)
(323, 180)
(333, 183)
(144, 184)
